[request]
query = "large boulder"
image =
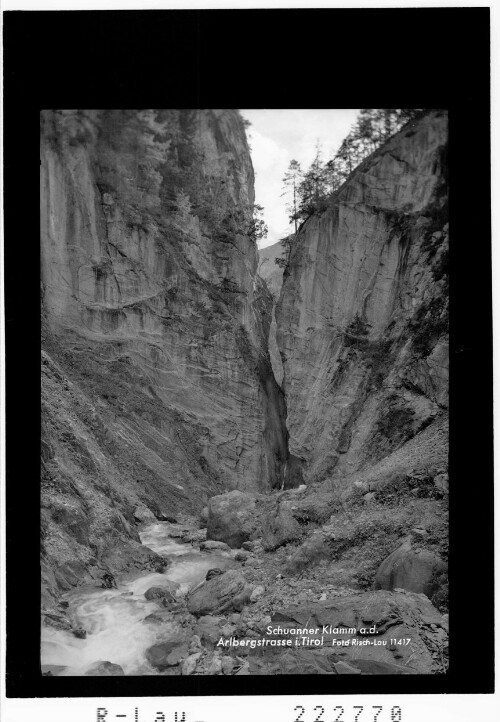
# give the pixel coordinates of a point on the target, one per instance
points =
(164, 594)
(143, 515)
(232, 518)
(217, 595)
(162, 616)
(416, 570)
(358, 629)
(211, 545)
(213, 573)
(254, 546)
(195, 536)
(167, 654)
(313, 550)
(279, 528)
(126, 555)
(105, 669)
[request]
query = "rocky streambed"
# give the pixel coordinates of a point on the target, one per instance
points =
(222, 610)
(108, 631)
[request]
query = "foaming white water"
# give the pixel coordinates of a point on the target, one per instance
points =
(189, 564)
(114, 618)
(115, 633)
(156, 537)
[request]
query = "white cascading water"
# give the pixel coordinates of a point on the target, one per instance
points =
(114, 618)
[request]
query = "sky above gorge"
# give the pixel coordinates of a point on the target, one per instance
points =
(276, 137)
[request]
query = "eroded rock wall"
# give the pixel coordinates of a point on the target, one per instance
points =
(157, 384)
(363, 314)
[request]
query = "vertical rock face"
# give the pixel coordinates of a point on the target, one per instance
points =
(269, 270)
(363, 315)
(272, 274)
(157, 383)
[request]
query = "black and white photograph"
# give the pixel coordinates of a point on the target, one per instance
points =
(247, 400)
(244, 392)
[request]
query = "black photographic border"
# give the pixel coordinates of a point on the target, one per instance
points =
(425, 57)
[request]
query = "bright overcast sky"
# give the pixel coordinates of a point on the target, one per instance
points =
(278, 136)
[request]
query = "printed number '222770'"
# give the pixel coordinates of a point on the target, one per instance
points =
(356, 714)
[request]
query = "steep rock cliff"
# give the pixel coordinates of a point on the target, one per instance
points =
(269, 269)
(272, 274)
(157, 386)
(363, 316)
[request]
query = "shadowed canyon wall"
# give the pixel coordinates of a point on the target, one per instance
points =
(362, 321)
(157, 387)
(272, 274)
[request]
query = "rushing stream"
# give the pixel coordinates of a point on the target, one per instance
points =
(114, 618)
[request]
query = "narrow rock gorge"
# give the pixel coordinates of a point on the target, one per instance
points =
(362, 320)
(230, 449)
